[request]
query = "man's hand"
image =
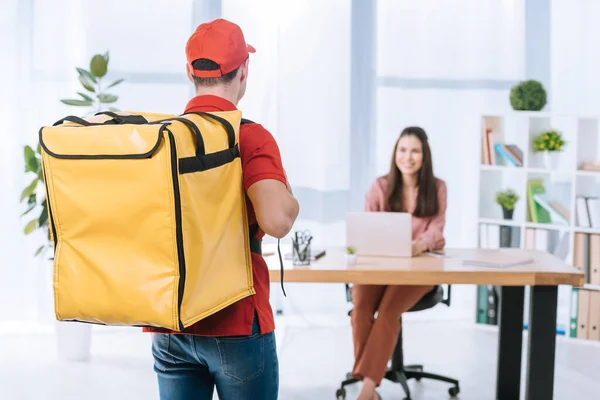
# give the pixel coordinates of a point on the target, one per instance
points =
(418, 247)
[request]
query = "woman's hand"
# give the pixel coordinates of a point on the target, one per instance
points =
(418, 247)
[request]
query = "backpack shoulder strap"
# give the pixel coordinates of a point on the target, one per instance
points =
(247, 121)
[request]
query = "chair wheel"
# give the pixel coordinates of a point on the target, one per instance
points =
(453, 391)
(340, 394)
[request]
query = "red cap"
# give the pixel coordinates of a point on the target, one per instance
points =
(220, 41)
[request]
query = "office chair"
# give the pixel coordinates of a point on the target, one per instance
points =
(398, 372)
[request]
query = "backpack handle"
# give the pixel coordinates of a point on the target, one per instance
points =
(116, 119)
(123, 119)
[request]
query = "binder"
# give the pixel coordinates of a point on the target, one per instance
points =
(492, 305)
(594, 318)
(574, 309)
(482, 302)
(583, 314)
(594, 261)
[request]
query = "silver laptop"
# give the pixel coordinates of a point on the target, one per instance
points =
(386, 234)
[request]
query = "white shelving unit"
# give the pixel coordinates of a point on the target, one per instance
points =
(564, 183)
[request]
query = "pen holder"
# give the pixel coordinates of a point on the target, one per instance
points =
(301, 253)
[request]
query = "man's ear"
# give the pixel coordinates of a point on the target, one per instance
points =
(189, 72)
(244, 70)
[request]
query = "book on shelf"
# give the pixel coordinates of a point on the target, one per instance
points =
(590, 166)
(585, 313)
(508, 155)
(588, 212)
(537, 213)
(496, 152)
(552, 207)
(586, 256)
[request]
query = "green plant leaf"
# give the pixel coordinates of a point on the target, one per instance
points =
(31, 207)
(39, 251)
(43, 219)
(28, 191)
(31, 162)
(87, 74)
(85, 96)
(87, 83)
(32, 199)
(77, 102)
(107, 98)
(31, 226)
(106, 57)
(39, 148)
(99, 65)
(115, 83)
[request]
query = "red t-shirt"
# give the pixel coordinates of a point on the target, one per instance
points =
(261, 159)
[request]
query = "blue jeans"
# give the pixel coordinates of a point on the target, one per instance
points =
(241, 367)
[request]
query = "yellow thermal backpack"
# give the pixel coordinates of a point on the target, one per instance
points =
(148, 218)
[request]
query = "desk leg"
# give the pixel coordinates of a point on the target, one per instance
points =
(541, 343)
(510, 341)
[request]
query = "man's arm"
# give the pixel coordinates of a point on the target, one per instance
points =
(275, 207)
(266, 183)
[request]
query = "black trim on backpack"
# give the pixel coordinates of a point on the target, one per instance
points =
(123, 119)
(255, 243)
(226, 124)
(209, 161)
(147, 154)
(116, 119)
(254, 231)
(200, 150)
(178, 221)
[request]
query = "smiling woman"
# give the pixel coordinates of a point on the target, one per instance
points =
(410, 187)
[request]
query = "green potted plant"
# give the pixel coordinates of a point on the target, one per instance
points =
(74, 339)
(351, 255)
(549, 143)
(507, 200)
(528, 95)
(95, 100)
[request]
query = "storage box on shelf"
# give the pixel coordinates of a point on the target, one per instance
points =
(559, 202)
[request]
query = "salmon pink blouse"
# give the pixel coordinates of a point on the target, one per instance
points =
(429, 230)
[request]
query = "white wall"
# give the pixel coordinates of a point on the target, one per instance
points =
(575, 56)
(435, 65)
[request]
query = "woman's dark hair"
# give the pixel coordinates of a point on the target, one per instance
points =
(427, 199)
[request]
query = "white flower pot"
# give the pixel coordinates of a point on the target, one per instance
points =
(551, 159)
(351, 258)
(74, 341)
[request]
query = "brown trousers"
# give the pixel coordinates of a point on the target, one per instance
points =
(375, 338)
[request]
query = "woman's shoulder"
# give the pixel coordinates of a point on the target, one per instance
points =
(440, 184)
(380, 183)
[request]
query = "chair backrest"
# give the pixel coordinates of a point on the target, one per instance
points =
(431, 299)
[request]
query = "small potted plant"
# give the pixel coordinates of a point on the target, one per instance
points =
(507, 200)
(550, 143)
(351, 255)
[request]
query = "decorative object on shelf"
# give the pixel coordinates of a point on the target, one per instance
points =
(528, 95)
(350, 255)
(507, 200)
(549, 143)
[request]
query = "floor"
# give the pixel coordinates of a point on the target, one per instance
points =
(314, 357)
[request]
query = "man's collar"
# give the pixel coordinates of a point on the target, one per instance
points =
(209, 102)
